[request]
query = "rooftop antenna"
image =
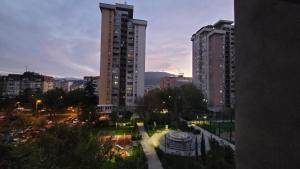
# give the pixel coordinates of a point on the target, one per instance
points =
(26, 68)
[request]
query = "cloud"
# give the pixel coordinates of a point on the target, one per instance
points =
(57, 37)
(63, 37)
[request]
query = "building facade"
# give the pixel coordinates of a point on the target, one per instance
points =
(14, 85)
(148, 88)
(169, 82)
(122, 56)
(10, 86)
(63, 84)
(214, 64)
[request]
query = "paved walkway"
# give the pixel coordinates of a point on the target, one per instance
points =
(152, 158)
(155, 138)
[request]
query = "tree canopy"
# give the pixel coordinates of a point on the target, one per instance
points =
(185, 101)
(61, 147)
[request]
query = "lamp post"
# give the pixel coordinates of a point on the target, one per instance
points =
(39, 101)
(17, 104)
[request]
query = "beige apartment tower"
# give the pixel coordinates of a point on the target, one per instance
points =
(123, 41)
(214, 64)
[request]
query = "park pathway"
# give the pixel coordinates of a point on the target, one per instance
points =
(152, 158)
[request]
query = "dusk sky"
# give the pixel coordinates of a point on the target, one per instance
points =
(62, 37)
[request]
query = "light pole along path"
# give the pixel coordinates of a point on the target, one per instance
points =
(152, 158)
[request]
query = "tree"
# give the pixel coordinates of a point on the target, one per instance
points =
(54, 100)
(203, 149)
(27, 98)
(5, 155)
(229, 155)
(192, 101)
(196, 146)
(88, 102)
(60, 147)
(89, 93)
(75, 98)
(186, 101)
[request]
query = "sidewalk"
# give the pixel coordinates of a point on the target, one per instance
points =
(152, 158)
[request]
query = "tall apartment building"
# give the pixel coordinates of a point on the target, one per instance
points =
(214, 64)
(14, 85)
(122, 56)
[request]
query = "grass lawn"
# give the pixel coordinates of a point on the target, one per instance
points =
(114, 131)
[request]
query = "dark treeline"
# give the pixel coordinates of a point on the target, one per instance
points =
(54, 101)
(166, 106)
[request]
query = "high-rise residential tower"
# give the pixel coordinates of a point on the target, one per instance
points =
(214, 64)
(122, 56)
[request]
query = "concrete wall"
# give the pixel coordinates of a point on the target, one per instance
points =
(267, 86)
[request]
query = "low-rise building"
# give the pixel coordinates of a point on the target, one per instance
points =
(174, 81)
(148, 88)
(10, 86)
(63, 84)
(14, 85)
(77, 84)
(47, 83)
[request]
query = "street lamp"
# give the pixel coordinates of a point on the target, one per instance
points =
(17, 104)
(39, 101)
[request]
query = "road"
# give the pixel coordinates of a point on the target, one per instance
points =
(152, 158)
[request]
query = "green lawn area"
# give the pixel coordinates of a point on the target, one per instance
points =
(114, 131)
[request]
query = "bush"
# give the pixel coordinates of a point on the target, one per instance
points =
(136, 136)
(40, 121)
(195, 131)
(60, 147)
